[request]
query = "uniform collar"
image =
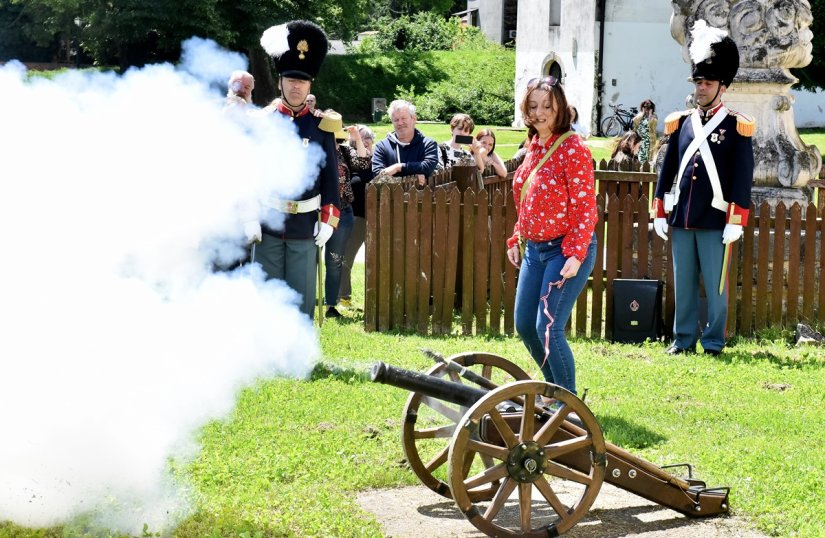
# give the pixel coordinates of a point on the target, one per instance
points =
(286, 111)
(708, 114)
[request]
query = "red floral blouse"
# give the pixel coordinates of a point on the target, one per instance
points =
(561, 199)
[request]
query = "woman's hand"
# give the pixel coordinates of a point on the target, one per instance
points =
(571, 268)
(514, 255)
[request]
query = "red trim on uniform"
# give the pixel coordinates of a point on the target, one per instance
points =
(737, 215)
(658, 208)
(330, 215)
(286, 111)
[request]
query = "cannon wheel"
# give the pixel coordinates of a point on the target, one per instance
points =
(555, 463)
(429, 424)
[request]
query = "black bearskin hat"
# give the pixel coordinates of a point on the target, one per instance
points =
(298, 48)
(714, 55)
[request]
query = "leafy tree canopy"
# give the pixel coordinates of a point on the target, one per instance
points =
(813, 76)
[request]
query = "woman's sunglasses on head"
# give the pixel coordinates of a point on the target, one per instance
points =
(550, 81)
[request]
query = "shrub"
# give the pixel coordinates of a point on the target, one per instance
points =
(423, 32)
(479, 83)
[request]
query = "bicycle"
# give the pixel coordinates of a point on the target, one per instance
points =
(621, 121)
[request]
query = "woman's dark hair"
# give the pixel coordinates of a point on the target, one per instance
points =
(487, 132)
(575, 112)
(647, 103)
(558, 102)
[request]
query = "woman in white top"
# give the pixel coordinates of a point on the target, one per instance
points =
(578, 128)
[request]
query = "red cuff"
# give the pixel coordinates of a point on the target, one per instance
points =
(658, 209)
(737, 215)
(331, 215)
(513, 241)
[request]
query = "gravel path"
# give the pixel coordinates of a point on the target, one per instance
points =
(418, 512)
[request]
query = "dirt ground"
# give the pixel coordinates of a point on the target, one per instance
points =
(419, 512)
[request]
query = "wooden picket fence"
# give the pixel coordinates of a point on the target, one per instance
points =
(436, 262)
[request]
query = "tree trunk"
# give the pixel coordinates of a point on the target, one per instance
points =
(260, 66)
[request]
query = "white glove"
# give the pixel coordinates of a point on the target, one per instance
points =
(252, 229)
(731, 233)
(660, 226)
(323, 233)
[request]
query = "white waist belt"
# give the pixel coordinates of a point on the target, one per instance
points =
(300, 206)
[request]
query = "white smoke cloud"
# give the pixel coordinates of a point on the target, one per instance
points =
(117, 193)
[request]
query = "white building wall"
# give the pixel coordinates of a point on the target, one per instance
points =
(571, 45)
(809, 108)
(490, 18)
(641, 58)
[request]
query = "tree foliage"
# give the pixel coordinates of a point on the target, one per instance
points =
(422, 32)
(133, 32)
(813, 76)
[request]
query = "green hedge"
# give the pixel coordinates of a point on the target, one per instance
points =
(479, 83)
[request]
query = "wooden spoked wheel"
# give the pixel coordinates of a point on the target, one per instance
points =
(554, 460)
(429, 423)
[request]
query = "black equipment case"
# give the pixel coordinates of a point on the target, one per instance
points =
(637, 310)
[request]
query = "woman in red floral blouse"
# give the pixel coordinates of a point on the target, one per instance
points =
(553, 240)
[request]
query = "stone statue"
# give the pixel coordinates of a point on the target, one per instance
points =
(772, 36)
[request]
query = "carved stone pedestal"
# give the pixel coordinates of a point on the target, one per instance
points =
(772, 37)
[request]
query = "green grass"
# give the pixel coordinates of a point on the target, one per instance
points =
(294, 454)
(814, 137)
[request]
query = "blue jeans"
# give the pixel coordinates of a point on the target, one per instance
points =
(334, 256)
(544, 304)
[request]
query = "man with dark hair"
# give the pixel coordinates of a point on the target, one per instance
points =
(291, 254)
(704, 190)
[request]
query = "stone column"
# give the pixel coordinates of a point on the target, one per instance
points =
(772, 36)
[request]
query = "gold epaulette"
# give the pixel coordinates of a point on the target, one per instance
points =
(745, 125)
(672, 120)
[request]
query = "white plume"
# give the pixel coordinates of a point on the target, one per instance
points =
(702, 37)
(274, 41)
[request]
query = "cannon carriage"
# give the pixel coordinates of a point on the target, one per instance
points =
(477, 430)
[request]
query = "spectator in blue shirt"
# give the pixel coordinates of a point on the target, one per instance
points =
(405, 151)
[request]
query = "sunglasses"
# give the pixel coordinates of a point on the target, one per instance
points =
(550, 81)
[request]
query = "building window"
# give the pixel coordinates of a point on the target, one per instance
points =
(554, 70)
(555, 12)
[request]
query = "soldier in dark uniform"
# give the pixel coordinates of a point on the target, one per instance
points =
(291, 253)
(704, 190)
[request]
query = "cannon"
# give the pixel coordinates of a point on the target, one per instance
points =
(477, 430)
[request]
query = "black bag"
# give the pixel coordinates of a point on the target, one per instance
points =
(637, 310)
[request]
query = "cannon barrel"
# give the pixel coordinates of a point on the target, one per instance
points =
(435, 387)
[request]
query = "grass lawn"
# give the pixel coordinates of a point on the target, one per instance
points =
(293, 455)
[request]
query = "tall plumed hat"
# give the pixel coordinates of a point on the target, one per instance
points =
(713, 55)
(298, 48)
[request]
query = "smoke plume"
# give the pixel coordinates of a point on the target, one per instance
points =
(118, 197)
